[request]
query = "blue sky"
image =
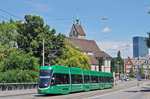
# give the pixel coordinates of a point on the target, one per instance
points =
(126, 19)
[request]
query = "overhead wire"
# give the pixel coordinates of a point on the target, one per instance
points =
(4, 17)
(23, 19)
(61, 19)
(10, 14)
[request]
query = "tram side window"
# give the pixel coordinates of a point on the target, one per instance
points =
(94, 79)
(76, 79)
(106, 79)
(101, 79)
(86, 79)
(59, 78)
(111, 79)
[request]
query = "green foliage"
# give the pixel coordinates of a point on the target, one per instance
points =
(21, 48)
(7, 38)
(7, 33)
(141, 70)
(100, 60)
(68, 43)
(131, 72)
(113, 65)
(19, 59)
(120, 62)
(19, 67)
(117, 64)
(2, 53)
(30, 37)
(74, 58)
(18, 76)
(119, 56)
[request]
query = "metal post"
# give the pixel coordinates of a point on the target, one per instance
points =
(121, 69)
(145, 72)
(1, 87)
(43, 51)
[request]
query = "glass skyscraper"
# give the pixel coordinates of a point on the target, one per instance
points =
(140, 48)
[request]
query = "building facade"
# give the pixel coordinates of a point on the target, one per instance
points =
(140, 48)
(128, 65)
(89, 47)
(137, 63)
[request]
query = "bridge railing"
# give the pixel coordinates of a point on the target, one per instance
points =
(17, 86)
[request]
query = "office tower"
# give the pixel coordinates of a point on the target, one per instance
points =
(140, 48)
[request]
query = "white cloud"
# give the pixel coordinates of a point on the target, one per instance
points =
(106, 29)
(112, 47)
(90, 32)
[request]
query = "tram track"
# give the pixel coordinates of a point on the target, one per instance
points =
(102, 92)
(82, 95)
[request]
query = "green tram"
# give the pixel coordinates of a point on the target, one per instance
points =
(63, 80)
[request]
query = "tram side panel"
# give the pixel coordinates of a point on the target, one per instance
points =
(86, 79)
(76, 79)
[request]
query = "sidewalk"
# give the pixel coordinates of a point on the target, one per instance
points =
(17, 92)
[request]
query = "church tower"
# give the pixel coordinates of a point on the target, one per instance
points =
(77, 30)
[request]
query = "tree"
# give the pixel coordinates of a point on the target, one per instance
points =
(113, 65)
(74, 58)
(100, 60)
(117, 63)
(7, 38)
(141, 70)
(119, 56)
(131, 72)
(30, 36)
(120, 62)
(7, 33)
(19, 67)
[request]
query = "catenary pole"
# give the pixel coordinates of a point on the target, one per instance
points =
(43, 51)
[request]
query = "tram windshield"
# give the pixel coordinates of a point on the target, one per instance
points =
(45, 78)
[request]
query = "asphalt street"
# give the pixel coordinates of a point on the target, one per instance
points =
(123, 90)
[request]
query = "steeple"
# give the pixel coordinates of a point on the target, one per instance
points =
(77, 18)
(77, 30)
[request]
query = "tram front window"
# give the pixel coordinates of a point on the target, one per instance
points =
(45, 78)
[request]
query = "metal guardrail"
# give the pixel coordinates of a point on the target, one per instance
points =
(17, 86)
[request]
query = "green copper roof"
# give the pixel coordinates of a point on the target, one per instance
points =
(77, 18)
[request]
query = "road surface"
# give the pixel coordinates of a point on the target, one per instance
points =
(123, 90)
